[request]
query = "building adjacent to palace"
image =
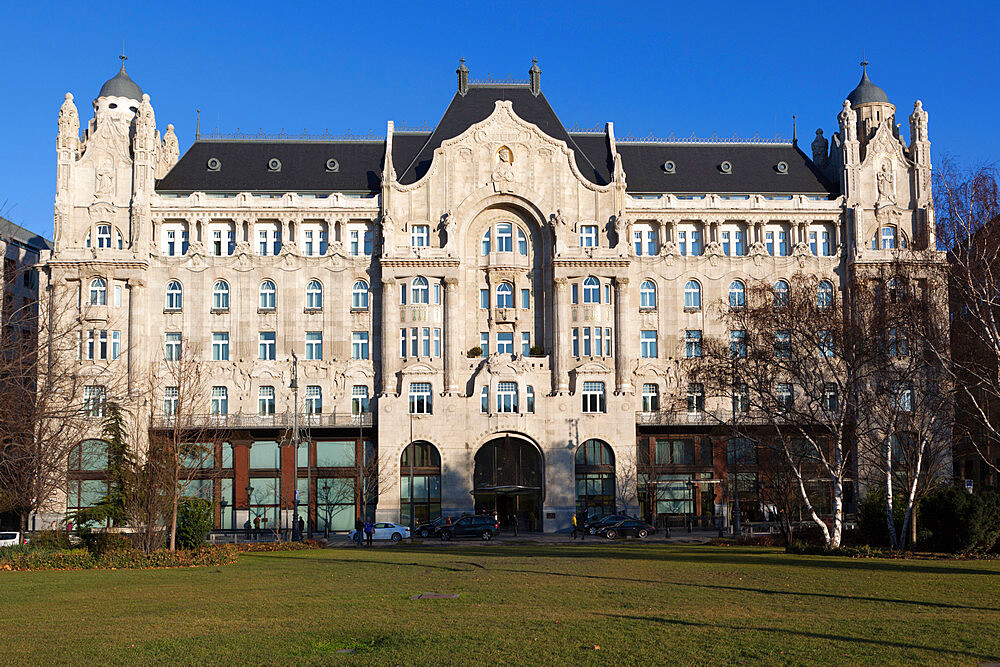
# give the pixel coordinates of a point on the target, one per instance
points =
(500, 307)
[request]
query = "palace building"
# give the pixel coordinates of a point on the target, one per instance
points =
(497, 311)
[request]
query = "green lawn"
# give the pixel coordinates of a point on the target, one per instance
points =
(641, 603)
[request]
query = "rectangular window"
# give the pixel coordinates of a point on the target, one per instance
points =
(647, 344)
(484, 298)
(812, 243)
(741, 399)
(725, 243)
(94, 397)
(588, 236)
(607, 293)
(904, 398)
(359, 345)
(525, 343)
(529, 398)
(899, 345)
(692, 343)
(888, 238)
(769, 242)
(437, 294)
(637, 241)
(308, 241)
(220, 401)
(695, 398)
(738, 344)
(505, 237)
(314, 345)
(266, 346)
(505, 343)
(825, 343)
(414, 342)
(586, 341)
(740, 245)
(783, 396)
(117, 297)
(220, 346)
(437, 342)
(650, 397)
(651, 248)
(598, 341)
(359, 399)
(425, 341)
(484, 400)
(402, 343)
(783, 243)
(265, 401)
(314, 400)
(507, 397)
(574, 294)
(484, 343)
(170, 398)
(525, 298)
(696, 242)
(825, 236)
(172, 347)
(593, 397)
(782, 344)
(830, 402)
(576, 342)
(607, 341)
(116, 344)
(354, 235)
(368, 242)
(420, 236)
(420, 398)
(682, 243)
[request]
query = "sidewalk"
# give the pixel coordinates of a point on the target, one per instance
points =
(677, 536)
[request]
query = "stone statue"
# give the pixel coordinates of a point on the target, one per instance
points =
(387, 233)
(820, 148)
(918, 122)
(69, 121)
(105, 176)
(621, 231)
(886, 182)
(446, 225)
(848, 122)
(504, 170)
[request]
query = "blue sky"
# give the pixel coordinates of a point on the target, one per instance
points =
(649, 67)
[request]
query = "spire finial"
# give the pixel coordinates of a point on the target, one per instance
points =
(795, 136)
(463, 77)
(864, 61)
(123, 57)
(197, 126)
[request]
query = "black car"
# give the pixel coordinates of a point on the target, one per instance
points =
(432, 527)
(483, 527)
(593, 526)
(627, 528)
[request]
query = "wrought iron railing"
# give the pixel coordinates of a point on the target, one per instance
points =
(278, 420)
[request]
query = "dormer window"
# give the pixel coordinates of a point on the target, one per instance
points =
(420, 236)
(104, 236)
(588, 236)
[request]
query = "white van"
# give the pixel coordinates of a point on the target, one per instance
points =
(9, 539)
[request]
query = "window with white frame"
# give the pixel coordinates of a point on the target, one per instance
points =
(695, 397)
(102, 345)
(117, 302)
(525, 343)
(692, 343)
(359, 345)
(831, 403)
(172, 347)
(781, 298)
(359, 237)
(314, 400)
(824, 294)
(359, 295)
(265, 401)
(268, 296)
(825, 340)
(692, 295)
(175, 239)
(171, 396)
(220, 295)
(783, 396)
(103, 236)
(505, 342)
(505, 237)
(420, 398)
(220, 346)
(314, 295)
(266, 345)
(359, 399)
(220, 401)
(588, 236)
(525, 298)
(782, 344)
(484, 343)
(737, 294)
(94, 398)
(507, 397)
(223, 240)
(647, 344)
(899, 344)
(591, 290)
(741, 398)
(738, 344)
(650, 397)
(175, 295)
(904, 397)
(522, 243)
(593, 397)
(484, 399)
(268, 238)
(484, 298)
(529, 399)
(505, 296)
(484, 247)
(419, 290)
(98, 292)
(314, 345)
(420, 236)
(647, 295)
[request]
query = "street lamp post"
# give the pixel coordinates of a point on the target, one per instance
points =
(223, 504)
(249, 490)
(326, 503)
(294, 386)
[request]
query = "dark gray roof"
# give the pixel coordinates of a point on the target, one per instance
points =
(867, 92)
(17, 233)
(244, 164)
(120, 85)
(697, 169)
(476, 105)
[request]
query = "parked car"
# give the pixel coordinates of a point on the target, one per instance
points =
(387, 531)
(626, 528)
(482, 526)
(596, 524)
(10, 539)
(432, 528)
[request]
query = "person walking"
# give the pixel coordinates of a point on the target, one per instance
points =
(246, 529)
(575, 527)
(256, 527)
(369, 531)
(513, 523)
(359, 529)
(302, 527)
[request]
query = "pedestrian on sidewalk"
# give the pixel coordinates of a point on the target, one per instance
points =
(576, 528)
(369, 530)
(513, 523)
(359, 529)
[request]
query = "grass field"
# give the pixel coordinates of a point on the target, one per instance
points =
(640, 603)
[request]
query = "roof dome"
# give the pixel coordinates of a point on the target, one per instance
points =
(121, 86)
(867, 92)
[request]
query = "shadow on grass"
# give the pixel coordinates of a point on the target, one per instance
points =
(803, 633)
(330, 560)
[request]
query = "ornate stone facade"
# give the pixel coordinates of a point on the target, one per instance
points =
(502, 233)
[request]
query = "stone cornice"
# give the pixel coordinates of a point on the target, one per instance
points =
(74, 264)
(408, 262)
(597, 263)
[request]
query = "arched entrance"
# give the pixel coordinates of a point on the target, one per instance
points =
(419, 484)
(595, 479)
(508, 480)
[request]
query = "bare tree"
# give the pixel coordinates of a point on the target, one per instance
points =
(968, 226)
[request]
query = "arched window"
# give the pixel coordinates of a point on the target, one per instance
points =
(737, 294)
(98, 292)
(220, 295)
(824, 294)
(268, 295)
(175, 295)
(419, 290)
(781, 294)
(595, 480)
(121, 241)
(314, 295)
(522, 243)
(591, 290)
(485, 246)
(359, 295)
(419, 484)
(505, 296)
(692, 295)
(647, 294)
(103, 236)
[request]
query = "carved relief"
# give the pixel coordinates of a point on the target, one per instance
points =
(886, 185)
(105, 178)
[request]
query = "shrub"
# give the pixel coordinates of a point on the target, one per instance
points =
(871, 517)
(101, 543)
(51, 539)
(536, 351)
(961, 522)
(194, 522)
(474, 352)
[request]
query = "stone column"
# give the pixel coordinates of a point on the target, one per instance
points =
(560, 337)
(452, 339)
(390, 336)
(137, 317)
(622, 362)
